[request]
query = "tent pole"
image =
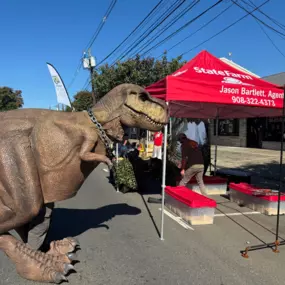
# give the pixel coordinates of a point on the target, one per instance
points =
(216, 144)
(117, 160)
(147, 138)
(163, 180)
(274, 245)
(170, 127)
(280, 175)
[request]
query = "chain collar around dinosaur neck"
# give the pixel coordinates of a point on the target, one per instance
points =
(107, 142)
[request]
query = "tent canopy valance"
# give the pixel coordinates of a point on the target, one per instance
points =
(207, 87)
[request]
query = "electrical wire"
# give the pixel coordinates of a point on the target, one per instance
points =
(226, 28)
(183, 27)
(148, 33)
(280, 25)
(178, 17)
(264, 31)
(93, 38)
(100, 26)
(149, 15)
(132, 32)
(269, 38)
(262, 22)
(192, 34)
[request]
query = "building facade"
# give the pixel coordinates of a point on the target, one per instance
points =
(253, 132)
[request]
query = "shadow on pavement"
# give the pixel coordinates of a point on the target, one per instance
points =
(73, 222)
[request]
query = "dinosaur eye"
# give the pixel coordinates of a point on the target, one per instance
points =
(143, 97)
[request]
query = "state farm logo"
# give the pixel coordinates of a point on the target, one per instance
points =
(230, 80)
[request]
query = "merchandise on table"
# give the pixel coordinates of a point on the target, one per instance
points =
(192, 207)
(264, 201)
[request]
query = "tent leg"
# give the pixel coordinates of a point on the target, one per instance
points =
(280, 177)
(216, 144)
(117, 160)
(147, 138)
(274, 245)
(163, 181)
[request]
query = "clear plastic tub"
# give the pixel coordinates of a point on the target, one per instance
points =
(192, 207)
(214, 185)
(243, 194)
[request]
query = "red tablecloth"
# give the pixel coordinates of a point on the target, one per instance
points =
(249, 189)
(189, 197)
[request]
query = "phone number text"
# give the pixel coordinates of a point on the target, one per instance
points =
(252, 101)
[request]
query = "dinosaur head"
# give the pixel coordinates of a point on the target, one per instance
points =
(131, 106)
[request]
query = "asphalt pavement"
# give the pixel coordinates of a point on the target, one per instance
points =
(120, 243)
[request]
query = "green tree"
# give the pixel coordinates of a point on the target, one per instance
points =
(10, 99)
(141, 71)
(82, 101)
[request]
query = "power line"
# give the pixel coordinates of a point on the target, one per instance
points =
(263, 30)
(192, 34)
(280, 25)
(183, 27)
(262, 22)
(93, 38)
(148, 33)
(100, 26)
(133, 31)
(271, 40)
(223, 30)
(156, 36)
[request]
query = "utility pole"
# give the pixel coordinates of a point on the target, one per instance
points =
(89, 63)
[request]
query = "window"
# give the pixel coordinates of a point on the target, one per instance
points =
(227, 127)
(272, 130)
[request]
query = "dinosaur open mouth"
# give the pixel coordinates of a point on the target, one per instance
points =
(140, 114)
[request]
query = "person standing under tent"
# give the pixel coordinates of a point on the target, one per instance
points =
(157, 145)
(192, 163)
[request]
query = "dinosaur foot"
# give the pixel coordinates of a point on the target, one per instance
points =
(64, 246)
(35, 265)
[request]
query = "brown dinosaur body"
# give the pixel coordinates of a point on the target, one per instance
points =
(45, 156)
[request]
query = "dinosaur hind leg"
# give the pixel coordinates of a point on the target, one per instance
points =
(35, 265)
(35, 234)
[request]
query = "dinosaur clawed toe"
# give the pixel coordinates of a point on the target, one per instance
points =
(36, 265)
(64, 246)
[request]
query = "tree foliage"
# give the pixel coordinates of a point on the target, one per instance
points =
(10, 99)
(82, 100)
(140, 71)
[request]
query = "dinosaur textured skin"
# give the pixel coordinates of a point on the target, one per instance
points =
(46, 155)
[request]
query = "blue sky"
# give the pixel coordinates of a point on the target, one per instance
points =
(34, 32)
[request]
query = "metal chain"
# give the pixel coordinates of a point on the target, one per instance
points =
(107, 142)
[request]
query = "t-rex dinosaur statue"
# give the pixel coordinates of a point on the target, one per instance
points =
(45, 156)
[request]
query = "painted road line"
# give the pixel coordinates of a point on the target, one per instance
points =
(178, 220)
(237, 214)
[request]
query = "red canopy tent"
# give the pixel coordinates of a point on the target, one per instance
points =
(207, 87)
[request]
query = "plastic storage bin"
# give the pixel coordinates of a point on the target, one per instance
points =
(214, 185)
(192, 207)
(244, 194)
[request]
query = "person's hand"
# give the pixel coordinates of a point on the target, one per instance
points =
(182, 172)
